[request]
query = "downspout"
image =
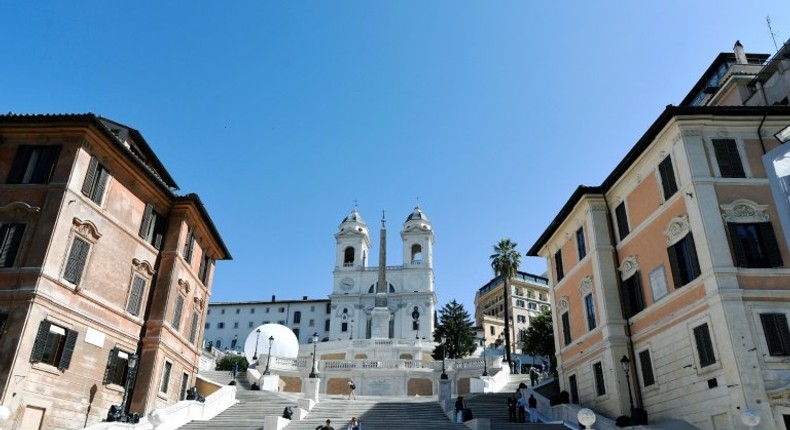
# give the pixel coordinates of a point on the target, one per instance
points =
(628, 336)
(760, 133)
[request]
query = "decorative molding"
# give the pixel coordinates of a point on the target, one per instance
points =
(143, 267)
(199, 303)
(18, 210)
(693, 132)
(743, 210)
(722, 133)
(184, 285)
(628, 267)
(677, 229)
(86, 229)
(676, 138)
(586, 286)
(563, 304)
(598, 207)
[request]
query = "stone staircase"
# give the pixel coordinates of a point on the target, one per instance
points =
(494, 407)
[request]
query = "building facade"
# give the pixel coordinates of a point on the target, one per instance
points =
(105, 272)
(670, 280)
(528, 296)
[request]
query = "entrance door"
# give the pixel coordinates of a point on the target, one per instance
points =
(32, 418)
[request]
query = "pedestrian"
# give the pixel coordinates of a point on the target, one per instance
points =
(234, 370)
(288, 412)
(354, 424)
(326, 426)
(533, 408)
(533, 376)
(459, 409)
(522, 408)
(351, 388)
(511, 409)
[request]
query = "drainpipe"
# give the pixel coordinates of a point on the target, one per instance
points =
(760, 133)
(629, 339)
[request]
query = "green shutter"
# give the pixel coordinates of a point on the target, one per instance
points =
(76, 261)
(87, 186)
(177, 313)
(68, 349)
(770, 244)
(674, 267)
(45, 167)
(10, 238)
(146, 223)
(112, 364)
(98, 193)
(41, 342)
(136, 296)
(728, 158)
(20, 164)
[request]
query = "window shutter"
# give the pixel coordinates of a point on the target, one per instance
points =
(177, 312)
(89, 175)
(189, 245)
(20, 164)
(667, 174)
(692, 249)
(738, 251)
(10, 238)
(704, 345)
(193, 328)
(728, 158)
(647, 368)
(46, 164)
(112, 364)
(100, 186)
(41, 342)
(771, 246)
(136, 296)
(146, 223)
(68, 349)
(777, 333)
(622, 220)
(675, 268)
(3, 320)
(76, 261)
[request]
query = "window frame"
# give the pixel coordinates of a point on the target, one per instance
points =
(113, 373)
(762, 250)
(599, 382)
(164, 381)
(728, 158)
(581, 244)
(34, 164)
(686, 269)
(96, 182)
(779, 346)
(645, 359)
(11, 243)
(558, 268)
(621, 220)
(589, 310)
(153, 226)
(633, 295)
(566, 328)
(666, 174)
(60, 354)
(704, 345)
(178, 310)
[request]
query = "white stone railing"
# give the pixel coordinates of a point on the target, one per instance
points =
(343, 365)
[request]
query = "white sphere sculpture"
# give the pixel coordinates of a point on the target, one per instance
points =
(750, 418)
(157, 417)
(586, 417)
(5, 414)
(285, 342)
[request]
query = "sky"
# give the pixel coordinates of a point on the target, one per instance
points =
(282, 114)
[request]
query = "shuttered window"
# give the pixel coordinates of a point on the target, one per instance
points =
(622, 220)
(176, 323)
(3, 321)
(777, 334)
(647, 368)
(152, 226)
(189, 245)
(600, 386)
(117, 367)
(10, 239)
(667, 173)
(205, 268)
(194, 327)
(34, 164)
(704, 345)
(754, 245)
(165, 383)
(558, 269)
(581, 246)
(136, 295)
(54, 345)
(589, 306)
(76, 261)
(95, 181)
(728, 158)
(566, 328)
(683, 261)
(633, 298)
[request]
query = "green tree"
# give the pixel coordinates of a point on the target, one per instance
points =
(540, 338)
(457, 325)
(505, 262)
(226, 362)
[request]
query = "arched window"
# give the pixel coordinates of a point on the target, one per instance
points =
(372, 288)
(348, 257)
(416, 254)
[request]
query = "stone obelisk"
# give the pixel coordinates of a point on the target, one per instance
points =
(380, 315)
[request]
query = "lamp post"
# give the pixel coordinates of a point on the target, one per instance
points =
(485, 364)
(258, 338)
(586, 417)
(315, 341)
(626, 369)
(269, 357)
(444, 355)
(131, 372)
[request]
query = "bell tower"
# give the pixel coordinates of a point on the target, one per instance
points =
(353, 243)
(417, 236)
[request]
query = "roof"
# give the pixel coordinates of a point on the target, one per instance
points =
(720, 59)
(417, 215)
(192, 197)
(669, 113)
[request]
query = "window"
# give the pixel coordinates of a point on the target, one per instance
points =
(728, 158)
(574, 389)
(633, 299)
(189, 246)
(311, 323)
(622, 220)
(222, 311)
(3, 321)
(344, 327)
(238, 311)
(281, 310)
(76, 261)
(193, 328)
(326, 325)
(152, 227)
(683, 261)
(530, 294)
(34, 164)
(600, 387)
(250, 324)
(647, 368)
(581, 247)
(329, 308)
(518, 291)
(558, 265)
(521, 319)
(704, 345)
(532, 306)
(777, 334)
(521, 303)
(54, 345)
(267, 311)
(10, 238)
(95, 181)
(221, 325)
(542, 297)
(589, 306)
(281, 322)
(165, 383)
(667, 173)
(136, 295)
(296, 333)
(235, 325)
(566, 329)
(754, 245)
(117, 368)
(252, 310)
(297, 317)
(207, 326)
(182, 394)
(176, 323)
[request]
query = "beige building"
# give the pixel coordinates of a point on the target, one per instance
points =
(528, 296)
(105, 272)
(678, 262)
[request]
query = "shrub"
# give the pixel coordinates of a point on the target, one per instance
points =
(227, 362)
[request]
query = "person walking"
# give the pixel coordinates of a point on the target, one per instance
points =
(234, 370)
(533, 408)
(522, 408)
(533, 376)
(354, 424)
(326, 426)
(511, 409)
(459, 409)
(351, 388)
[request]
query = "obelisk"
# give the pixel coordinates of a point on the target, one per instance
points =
(380, 315)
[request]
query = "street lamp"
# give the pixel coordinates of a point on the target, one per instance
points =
(444, 354)
(130, 374)
(315, 341)
(485, 364)
(269, 357)
(586, 417)
(627, 368)
(258, 331)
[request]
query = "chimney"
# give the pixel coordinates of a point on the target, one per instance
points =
(272, 297)
(740, 56)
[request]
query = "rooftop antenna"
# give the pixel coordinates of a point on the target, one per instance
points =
(771, 31)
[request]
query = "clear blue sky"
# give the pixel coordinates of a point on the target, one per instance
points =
(280, 114)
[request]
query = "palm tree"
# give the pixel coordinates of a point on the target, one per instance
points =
(505, 262)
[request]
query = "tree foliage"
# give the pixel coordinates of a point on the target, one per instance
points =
(505, 262)
(226, 362)
(539, 340)
(455, 323)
